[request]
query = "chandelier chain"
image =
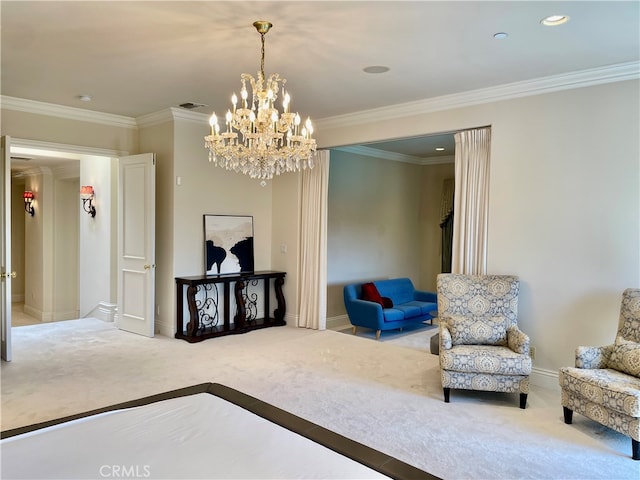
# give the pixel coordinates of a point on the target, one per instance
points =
(262, 57)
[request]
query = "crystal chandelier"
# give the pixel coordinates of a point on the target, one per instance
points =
(258, 140)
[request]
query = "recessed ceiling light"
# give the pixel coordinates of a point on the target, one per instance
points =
(85, 98)
(554, 20)
(440, 149)
(500, 35)
(376, 69)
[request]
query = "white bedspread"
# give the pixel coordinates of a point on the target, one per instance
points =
(194, 437)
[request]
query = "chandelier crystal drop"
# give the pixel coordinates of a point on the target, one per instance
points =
(258, 140)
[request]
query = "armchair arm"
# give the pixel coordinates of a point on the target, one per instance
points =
(593, 357)
(445, 336)
(365, 314)
(517, 340)
(425, 296)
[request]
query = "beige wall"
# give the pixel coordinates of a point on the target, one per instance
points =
(373, 225)
(158, 139)
(564, 204)
(432, 178)
(46, 128)
(383, 223)
(286, 223)
(17, 238)
(203, 189)
(66, 249)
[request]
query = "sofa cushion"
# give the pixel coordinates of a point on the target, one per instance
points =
(625, 357)
(478, 330)
(485, 359)
(409, 310)
(393, 315)
(426, 308)
(610, 388)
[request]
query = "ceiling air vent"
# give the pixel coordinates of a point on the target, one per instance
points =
(192, 105)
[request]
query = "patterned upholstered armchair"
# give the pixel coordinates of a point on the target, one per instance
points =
(605, 383)
(481, 347)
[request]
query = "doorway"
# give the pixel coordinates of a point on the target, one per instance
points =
(47, 247)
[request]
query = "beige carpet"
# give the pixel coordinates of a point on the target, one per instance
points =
(385, 395)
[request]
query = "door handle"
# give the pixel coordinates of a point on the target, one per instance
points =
(8, 275)
(147, 267)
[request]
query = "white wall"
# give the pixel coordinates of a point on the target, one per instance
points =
(38, 246)
(17, 238)
(65, 249)
(564, 204)
(96, 238)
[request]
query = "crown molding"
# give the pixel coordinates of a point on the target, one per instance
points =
(74, 151)
(172, 114)
(539, 86)
(394, 156)
(554, 83)
(189, 116)
(69, 113)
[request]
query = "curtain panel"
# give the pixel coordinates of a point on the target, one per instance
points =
(313, 244)
(471, 202)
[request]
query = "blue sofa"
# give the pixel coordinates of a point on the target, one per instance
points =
(410, 306)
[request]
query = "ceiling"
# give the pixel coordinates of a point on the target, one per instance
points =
(136, 58)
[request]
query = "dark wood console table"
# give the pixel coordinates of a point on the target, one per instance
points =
(210, 309)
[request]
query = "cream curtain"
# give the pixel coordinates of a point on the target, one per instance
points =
(313, 244)
(473, 153)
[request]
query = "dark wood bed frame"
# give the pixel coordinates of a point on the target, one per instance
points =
(358, 452)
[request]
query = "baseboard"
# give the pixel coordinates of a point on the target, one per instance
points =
(104, 311)
(69, 315)
(38, 314)
(17, 298)
(545, 378)
(338, 322)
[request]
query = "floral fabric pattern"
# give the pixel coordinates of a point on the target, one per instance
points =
(626, 358)
(629, 324)
(605, 385)
(485, 359)
(481, 347)
(517, 340)
(593, 357)
(477, 330)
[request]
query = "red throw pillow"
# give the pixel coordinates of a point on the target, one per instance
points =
(370, 293)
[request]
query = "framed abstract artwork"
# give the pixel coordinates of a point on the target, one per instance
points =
(228, 244)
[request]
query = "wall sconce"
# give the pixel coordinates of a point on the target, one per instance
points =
(28, 201)
(87, 194)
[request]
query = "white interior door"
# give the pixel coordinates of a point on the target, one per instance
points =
(5, 251)
(136, 244)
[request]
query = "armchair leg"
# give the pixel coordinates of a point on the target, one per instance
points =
(568, 415)
(447, 391)
(378, 334)
(635, 449)
(523, 400)
(354, 329)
